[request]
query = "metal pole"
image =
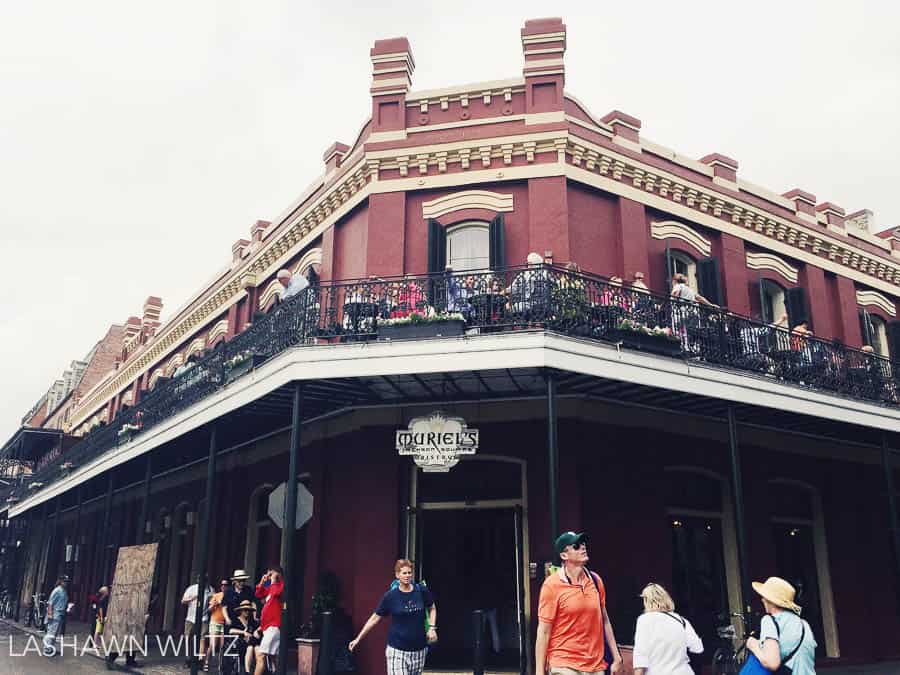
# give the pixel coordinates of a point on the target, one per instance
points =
(287, 536)
(478, 642)
(737, 491)
(145, 503)
(77, 537)
(204, 544)
(553, 458)
(892, 506)
(326, 653)
(104, 534)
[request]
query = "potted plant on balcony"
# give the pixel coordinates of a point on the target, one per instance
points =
(422, 325)
(241, 363)
(127, 431)
(658, 339)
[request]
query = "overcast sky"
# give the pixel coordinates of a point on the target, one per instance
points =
(138, 141)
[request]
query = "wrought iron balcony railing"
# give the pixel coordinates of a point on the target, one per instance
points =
(541, 297)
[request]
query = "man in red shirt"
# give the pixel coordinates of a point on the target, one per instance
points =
(572, 618)
(269, 589)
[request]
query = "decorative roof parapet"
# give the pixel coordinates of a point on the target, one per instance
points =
(804, 204)
(724, 167)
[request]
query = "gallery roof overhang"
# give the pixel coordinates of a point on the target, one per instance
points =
(495, 367)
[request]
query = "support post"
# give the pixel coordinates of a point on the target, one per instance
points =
(737, 491)
(145, 502)
(478, 642)
(104, 533)
(204, 545)
(886, 453)
(553, 458)
(287, 536)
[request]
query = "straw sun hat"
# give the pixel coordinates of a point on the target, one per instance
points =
(779, 592)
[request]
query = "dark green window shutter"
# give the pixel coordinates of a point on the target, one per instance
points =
(893, 334)
(795, 303)
(496, 243)
(437, 247)
(708, 280)
(866, 330)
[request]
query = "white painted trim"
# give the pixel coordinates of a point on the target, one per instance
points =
(474, 90)
(195, 347)
(468, 199)
(483, 121)
(274, 288)
(671, 229)
(221, 328)
(864, 298)
(519, 349)
(312, 257)
(771, 262)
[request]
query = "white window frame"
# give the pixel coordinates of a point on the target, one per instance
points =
(690, 267)
(462, 227)
(879, 335)
(775, 291)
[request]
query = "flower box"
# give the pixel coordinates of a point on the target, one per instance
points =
(645, 342)
(234, 368)
(423, 329)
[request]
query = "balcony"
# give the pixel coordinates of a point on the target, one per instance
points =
(544, 298)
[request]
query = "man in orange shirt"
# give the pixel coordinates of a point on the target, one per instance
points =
(572, 618)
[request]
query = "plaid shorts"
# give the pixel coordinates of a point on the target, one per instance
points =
(401, 662)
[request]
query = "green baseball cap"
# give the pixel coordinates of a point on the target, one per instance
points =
(569, 539)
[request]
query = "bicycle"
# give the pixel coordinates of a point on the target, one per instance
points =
(726, 659)
(37, 612)
(6, 605)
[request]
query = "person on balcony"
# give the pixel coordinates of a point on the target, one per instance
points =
(530, 290)
(458, 293)
(682, 291)
(409, 298)
(294, 284)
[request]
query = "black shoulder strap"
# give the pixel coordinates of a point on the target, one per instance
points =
(677, 618)
(800, 642)
(596, 585)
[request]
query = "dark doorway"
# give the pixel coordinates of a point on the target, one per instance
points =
(468, 560)
(698, 576)
(795, 557)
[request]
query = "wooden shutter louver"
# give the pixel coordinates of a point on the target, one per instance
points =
(497, 243)
(708, 280)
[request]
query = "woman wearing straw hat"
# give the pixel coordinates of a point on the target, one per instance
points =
(244, 630)
(786, 643)
(663, 638)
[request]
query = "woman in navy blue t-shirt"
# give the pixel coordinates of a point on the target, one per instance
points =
(407, 639)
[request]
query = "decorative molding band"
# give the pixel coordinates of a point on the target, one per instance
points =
(875, 298)
(158, 373)
(468, 199)
(173, 363)
(217, 331)
(670, 229)
(700, 198)
(274, 288)
(196, 346)
(771, 262)
(312, 257)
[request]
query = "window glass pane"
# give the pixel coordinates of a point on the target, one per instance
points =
(468, 247)
(685, 265)
(472, 480)
(879, 342)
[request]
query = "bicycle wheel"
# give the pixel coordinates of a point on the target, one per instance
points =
(723, 662)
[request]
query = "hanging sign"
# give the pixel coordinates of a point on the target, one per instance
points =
(437, 441)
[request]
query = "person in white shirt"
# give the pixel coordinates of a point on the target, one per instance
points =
(663, 638)
(293, 284)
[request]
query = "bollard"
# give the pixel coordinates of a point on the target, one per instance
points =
(478, 642)
(326, 648)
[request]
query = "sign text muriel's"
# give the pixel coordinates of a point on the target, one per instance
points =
(437, 441)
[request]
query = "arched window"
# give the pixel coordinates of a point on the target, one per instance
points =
(468, 246)
(682, 263)
(771, 298)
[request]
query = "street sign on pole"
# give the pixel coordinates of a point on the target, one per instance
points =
(304, 505)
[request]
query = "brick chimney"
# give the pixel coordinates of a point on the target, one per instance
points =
(334, 155)
(544, 46)
(833, 216)
(804, 204)
(392, 69)
(238, 248)
(724, 168)
(152, 309)
(132, 328)
(258, 230)
(627, 129)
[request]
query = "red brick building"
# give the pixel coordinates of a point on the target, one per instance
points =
(699, 446)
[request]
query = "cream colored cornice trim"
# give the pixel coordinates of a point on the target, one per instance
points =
(173, 363)
(748, 234)
(473, 90)
(670, 229)
(468, 199)
(864, 298)
(196, 346)
(771, 262)
(702, 200)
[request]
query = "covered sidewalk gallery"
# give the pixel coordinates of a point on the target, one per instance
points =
(699, 492)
